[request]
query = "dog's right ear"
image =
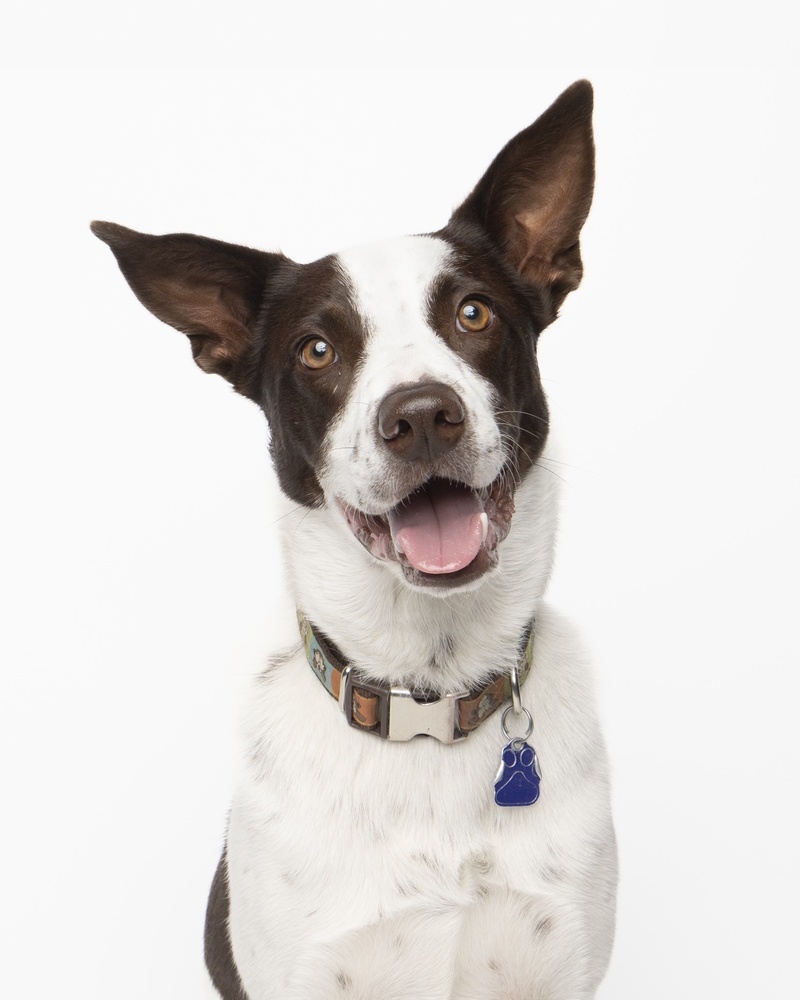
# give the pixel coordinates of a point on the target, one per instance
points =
(207, 289)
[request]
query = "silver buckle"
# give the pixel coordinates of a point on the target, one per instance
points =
(401, 717)
(409, 718)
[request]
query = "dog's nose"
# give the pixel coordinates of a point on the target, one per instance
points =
(421, 421)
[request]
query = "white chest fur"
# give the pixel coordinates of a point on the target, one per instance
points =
(361, 868)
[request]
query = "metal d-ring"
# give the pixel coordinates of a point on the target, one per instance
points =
(528, 730)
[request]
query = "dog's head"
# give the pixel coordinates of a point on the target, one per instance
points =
(400, 381)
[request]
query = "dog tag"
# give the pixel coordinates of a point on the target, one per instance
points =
(517, 781)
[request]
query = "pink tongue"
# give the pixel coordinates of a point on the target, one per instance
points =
(439, 528)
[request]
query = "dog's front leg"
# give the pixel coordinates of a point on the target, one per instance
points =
(519, 946)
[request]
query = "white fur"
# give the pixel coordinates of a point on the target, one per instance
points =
(366, 869)
(391, 282)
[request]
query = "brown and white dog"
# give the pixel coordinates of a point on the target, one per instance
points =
(367, 854)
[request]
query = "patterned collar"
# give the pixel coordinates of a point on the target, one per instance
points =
(397, 713)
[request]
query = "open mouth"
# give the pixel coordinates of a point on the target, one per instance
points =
(443, 533)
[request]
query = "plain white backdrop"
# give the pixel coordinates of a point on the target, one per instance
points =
(139, 565)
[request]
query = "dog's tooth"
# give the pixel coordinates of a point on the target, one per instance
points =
(484, 525)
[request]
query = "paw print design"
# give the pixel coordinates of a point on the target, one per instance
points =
(517, 781)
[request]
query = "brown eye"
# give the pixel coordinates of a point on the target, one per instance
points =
(473, 316)
(317, 353)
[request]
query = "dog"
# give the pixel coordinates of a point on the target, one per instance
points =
(401, 831)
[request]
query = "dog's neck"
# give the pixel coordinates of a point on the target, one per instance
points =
(422, 639)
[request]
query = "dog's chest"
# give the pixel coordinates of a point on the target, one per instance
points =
(388, 867)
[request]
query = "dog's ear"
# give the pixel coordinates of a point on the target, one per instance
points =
(209, 290)
(535, 196)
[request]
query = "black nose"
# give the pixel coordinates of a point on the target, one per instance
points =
(421, 421)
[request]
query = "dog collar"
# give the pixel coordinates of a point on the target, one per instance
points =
(398, 713)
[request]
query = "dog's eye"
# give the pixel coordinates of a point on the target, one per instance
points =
(317, 353)
(473, 316)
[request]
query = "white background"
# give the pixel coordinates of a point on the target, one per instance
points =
(139, 563)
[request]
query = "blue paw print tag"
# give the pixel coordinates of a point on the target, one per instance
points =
(517, 781)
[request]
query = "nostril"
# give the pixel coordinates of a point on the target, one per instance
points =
(403, 427)
(449, 417)
(397, 430)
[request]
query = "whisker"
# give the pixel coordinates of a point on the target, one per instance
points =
(300, 524)
(520, 413)
(552, 472)
(294, 510)
(505, 423)
(567, 465)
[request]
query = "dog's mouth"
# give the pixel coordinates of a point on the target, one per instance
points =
(444, 533)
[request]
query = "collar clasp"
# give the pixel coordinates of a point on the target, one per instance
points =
(401, 716)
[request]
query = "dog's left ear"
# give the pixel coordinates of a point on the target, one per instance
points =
(534, 198)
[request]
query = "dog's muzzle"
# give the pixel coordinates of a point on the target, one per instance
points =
(444, 531)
